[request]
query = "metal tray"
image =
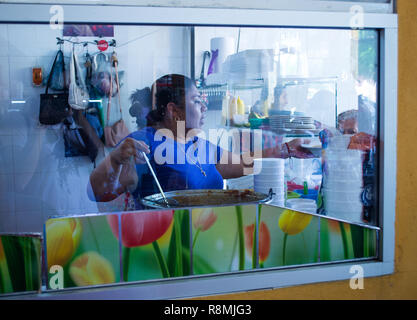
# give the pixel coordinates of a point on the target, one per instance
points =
(205, 198)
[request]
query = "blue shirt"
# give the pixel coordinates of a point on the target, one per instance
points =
(177, 165)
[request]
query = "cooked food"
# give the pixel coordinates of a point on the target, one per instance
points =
(200, 198)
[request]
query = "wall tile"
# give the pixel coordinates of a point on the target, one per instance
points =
(4, 77)
(51, 156)
(26, 151)
(29, 221)
(28, 192)
(6, 155)
(4, 48)
(8, 222)
(25, 41)
(7, 201)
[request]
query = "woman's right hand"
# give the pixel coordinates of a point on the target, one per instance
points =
(127, 149)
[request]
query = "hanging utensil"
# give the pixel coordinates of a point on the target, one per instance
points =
(201, 82)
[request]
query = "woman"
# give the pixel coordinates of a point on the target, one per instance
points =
(174, 153)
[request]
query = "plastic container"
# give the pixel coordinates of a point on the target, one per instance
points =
(311, 194)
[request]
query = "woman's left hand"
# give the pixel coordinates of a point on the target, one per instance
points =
(297, 151)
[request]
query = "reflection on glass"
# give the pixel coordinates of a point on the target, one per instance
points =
(307, 97)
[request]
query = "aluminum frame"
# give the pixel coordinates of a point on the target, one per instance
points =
(258, 279)
(376, 6)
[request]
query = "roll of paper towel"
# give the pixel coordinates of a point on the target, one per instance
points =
(220, 48)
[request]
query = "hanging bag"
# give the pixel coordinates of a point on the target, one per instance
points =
(101, 79)
(78, 97)
(115, 133)
(54, 107)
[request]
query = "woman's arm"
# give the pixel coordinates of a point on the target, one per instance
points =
(117, 173)
(235, 166)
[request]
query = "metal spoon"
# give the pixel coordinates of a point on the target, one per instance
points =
(156, 179)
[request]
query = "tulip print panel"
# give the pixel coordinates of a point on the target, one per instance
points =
(340, 241)
(84, 248)
(20, 263)
(155, 244)
(223, 238)
(293, 237)
(299, 238)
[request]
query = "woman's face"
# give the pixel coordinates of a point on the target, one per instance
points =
(348, 126)
(195, 109)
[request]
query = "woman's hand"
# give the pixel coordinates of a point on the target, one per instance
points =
(129, 148)
(297, 151)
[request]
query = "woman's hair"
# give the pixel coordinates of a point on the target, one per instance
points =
(169, 88)
(140, 99)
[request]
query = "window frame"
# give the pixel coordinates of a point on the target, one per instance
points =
(191, 286)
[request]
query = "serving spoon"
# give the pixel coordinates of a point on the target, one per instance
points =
(173, 201)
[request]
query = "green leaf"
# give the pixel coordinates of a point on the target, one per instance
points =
(201, 266)
(172, 249)
(5, 281)
(185, 241)
(27, 258)
(178, 244)
(325, 254)
(241, 237)
(15, 262)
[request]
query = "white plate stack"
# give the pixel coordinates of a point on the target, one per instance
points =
(343, 182)
(269, 174)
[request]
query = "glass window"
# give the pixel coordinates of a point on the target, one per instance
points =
(308, 96)
(103, 118)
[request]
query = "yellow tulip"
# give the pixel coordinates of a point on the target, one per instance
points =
(62, 239)
(91, 268)
(293, 222)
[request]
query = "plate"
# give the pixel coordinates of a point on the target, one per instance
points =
(314, 149)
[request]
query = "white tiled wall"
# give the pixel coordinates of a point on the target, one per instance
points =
(36, 180)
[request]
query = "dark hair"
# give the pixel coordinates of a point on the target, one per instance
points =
(140, 99)
(169, 88)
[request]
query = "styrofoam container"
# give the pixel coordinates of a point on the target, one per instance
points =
(277, 192)
(355, 173)
(347, 196)
(268, 163)
(344, 185)
(267, 171)
(342, 206)
(348, 216)
(272, 180)
(300, 202)
(280, 191)
(344, 166)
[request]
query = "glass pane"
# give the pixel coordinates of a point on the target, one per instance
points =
(304, 97)
(312, 95)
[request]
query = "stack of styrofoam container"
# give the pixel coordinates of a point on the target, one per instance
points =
(343, 182)
(269, 174)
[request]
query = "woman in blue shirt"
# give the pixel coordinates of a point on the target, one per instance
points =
(180, 158)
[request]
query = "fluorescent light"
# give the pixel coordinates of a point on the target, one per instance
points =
(18, 101)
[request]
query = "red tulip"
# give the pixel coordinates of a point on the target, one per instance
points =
(264, 240)
(141, 228)
(204, 218)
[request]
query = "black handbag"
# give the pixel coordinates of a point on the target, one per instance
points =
(54, 107)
